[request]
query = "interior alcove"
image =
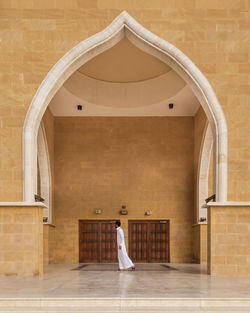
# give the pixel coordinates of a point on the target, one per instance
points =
(57, 88)
(105, 112)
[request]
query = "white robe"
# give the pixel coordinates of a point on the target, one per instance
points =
(123, 258)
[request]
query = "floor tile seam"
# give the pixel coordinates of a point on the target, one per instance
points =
(126, 298)
(136, 310)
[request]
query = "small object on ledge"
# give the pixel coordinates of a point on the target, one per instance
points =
(213, 197)
(45, 219)
(148, 213)
(38, 198)
(98, 211)
(203, 219)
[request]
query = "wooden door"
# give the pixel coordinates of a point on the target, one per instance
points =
(159, 241)
(89, 241)
(149, 241)
(108, 249)
(138, 241)
(97, 241)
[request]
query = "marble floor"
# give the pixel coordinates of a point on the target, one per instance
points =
(103, 280)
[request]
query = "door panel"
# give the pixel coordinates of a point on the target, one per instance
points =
(89, 249)
(108, 243)
(149, 241)
(138, 241)
(97, 241)
(159, 241)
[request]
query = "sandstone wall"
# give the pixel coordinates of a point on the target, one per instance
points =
(35, 34)
(143, 163)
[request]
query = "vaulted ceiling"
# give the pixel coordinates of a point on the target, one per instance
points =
(124, 81)
(124, 63)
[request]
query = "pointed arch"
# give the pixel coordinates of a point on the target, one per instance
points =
(45, 171)
(123, 25)
(203, 171)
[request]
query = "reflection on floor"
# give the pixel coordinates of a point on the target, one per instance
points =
(114, 267)
(149, 280)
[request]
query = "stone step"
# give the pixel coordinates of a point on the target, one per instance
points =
(126, 305)
(125, 310)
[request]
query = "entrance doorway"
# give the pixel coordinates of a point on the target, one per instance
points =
(97, 241)
(149, 241)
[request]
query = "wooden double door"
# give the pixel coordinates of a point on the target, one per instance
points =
(97, 241)
(149, 241)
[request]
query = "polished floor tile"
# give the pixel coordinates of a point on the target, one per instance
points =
(103, 280)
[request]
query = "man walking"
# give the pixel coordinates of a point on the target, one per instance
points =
(123, 258)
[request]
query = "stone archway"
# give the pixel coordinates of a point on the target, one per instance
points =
(203, 171)
(45, 171)
(124, 25)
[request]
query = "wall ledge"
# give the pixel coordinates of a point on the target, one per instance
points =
(23, 204)
(229, 203)
(49, 224)
(200, 223)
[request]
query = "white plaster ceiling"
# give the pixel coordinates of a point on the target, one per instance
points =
(65, 104)
(124, 81)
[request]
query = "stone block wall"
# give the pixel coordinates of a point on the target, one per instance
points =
(48, 243)
(21, 240)
(145, 163)
(203, 243)
(196, 243)
(35, 34)
(200, 243)
(229, 240)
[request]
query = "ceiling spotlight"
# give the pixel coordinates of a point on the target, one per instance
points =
(79, 107)
(171, 105)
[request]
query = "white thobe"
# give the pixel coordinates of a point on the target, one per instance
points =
(123, 258)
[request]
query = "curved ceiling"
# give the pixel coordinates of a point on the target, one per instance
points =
(124, 63)
(125, 95)
(124, 81)
(65, 104)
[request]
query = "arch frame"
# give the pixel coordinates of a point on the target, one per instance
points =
(203, 172)
(45, 171)
(123, 25)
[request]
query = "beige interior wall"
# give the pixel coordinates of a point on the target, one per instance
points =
(45, 244)
(143, 163)
(48, 243)
(196, 243)
(200, 243)
(203, 243)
